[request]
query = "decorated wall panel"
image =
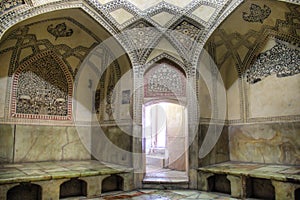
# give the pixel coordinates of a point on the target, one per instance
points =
(281, 60)
(240, 49)
(106, 104)
(42, 88)
(164, 80)
(43, 56)
(274, 76)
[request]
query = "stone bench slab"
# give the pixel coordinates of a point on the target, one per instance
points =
(42, 171)
(267, 171)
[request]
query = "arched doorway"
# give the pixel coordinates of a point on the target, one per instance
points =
(165, 123)
(165, 131)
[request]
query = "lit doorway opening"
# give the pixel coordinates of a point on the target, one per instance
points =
(165, 131)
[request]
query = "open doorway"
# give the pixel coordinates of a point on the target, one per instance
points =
(165, 131)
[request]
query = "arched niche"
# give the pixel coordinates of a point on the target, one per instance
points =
(112, 183)
(42, 89)
(25, 191)
(219, 183)
(73, 188)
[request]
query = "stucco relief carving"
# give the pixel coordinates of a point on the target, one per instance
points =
(8, 4)
(257, 13)
(105, 101)
(186, 33)
(110, 97)
(281, 60)
(37, 96)
(60, 30)
(164, 80)
(41, 88)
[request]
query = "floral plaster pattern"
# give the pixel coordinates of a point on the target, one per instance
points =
(257, 13)
(281, 60)
(42, 89)
(8, 4)
(164, 80)
(60, 30)
(187, 34)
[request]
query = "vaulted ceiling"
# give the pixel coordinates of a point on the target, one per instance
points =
(181, 27)
(238, 41)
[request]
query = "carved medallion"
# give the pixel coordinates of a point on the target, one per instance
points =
(257, 13)
(60, 30)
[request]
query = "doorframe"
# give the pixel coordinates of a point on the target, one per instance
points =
(179, 101)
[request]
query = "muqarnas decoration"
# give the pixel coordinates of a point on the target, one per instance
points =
(281, 60)
(257, 13)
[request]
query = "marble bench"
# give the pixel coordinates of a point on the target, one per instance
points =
(244, 180)
(62, 179)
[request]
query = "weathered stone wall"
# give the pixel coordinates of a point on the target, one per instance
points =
(220, 152)
(27, 143)
(276, 143)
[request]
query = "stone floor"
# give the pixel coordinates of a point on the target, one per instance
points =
(161, 195)
(155, 174)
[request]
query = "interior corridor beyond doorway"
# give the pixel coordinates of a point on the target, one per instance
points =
(166, 142)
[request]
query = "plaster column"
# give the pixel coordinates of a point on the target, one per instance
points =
(128, 181)
(237, 185)
(51, 188)
(139, 160)
(284, 190)
(94, 185)
(203, 180)
(192, 132)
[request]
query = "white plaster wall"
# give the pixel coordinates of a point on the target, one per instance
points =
(3, 81)
(274, 96)
(233, 102)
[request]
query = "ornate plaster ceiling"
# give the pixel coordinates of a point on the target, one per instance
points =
(237, 42)
(186, 25)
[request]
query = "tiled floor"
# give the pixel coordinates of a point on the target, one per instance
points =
(164, 195)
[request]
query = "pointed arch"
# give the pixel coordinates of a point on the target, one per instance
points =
(42, 89)
(168, 58)
(164, 78)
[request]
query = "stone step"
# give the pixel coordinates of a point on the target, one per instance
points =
(165, 185)
(154, 160)
(166, 179)
(157, 151)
